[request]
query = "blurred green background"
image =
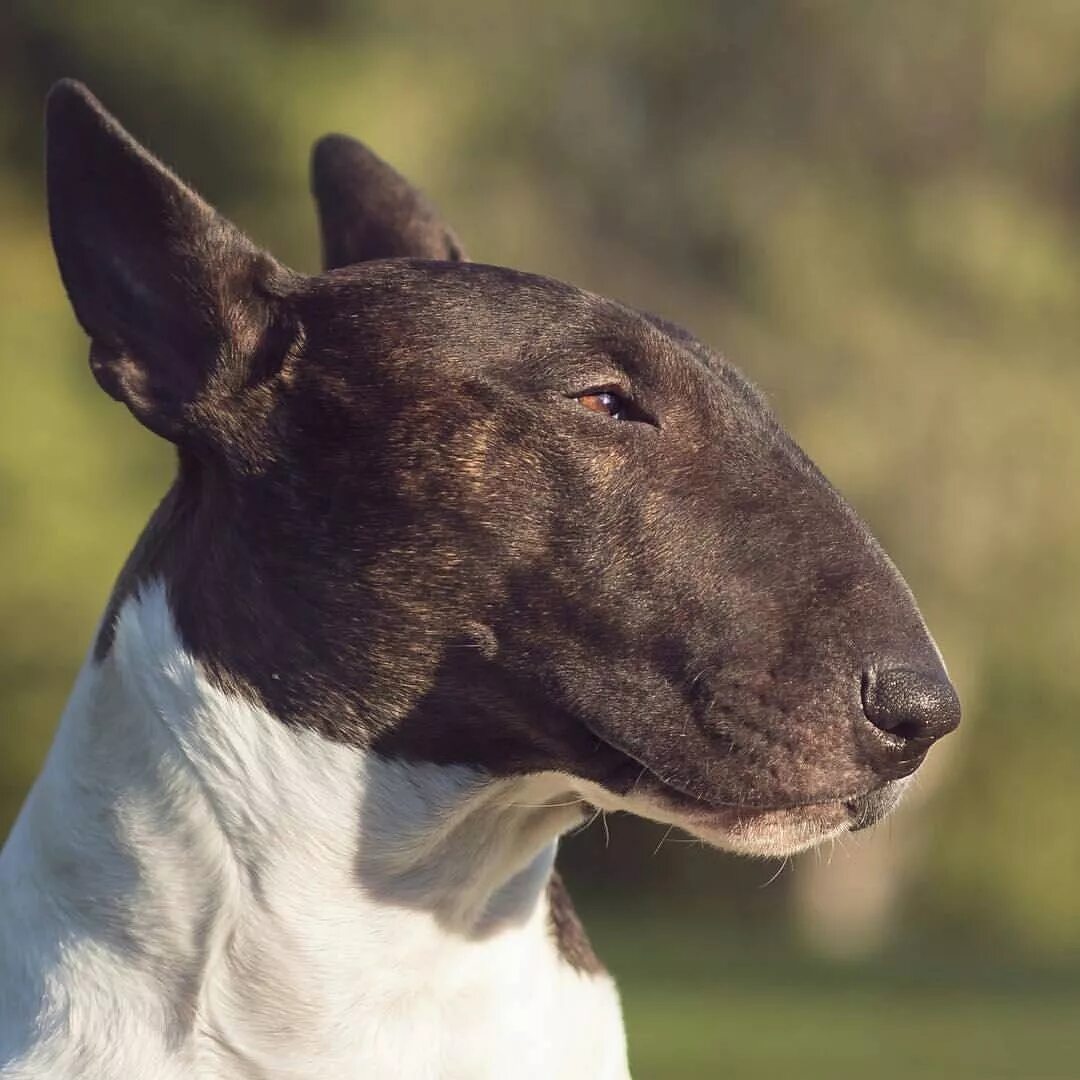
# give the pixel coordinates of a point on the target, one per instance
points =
(874, 208)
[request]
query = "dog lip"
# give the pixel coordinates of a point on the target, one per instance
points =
(851, 803)
(691, 800)
(857, 809)
(862, 807)
(870, 807)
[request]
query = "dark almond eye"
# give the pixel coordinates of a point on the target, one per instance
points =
(605, 401)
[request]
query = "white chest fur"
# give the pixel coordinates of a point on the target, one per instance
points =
(196, 890)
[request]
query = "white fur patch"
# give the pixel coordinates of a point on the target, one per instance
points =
(194, 889)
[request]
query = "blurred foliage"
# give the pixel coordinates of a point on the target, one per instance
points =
(872, 207)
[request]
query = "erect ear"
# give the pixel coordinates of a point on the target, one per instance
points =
(177, 302)
(368, 210)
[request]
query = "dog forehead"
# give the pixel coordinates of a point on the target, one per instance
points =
(467, 319)
(457, 299)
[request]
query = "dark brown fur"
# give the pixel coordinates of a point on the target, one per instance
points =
(395, 523)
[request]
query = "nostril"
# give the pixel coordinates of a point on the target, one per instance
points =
(910, 704)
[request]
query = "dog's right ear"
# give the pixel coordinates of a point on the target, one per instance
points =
(367, 210)
(178, 304)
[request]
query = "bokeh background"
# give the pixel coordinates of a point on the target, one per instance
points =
(874, 208)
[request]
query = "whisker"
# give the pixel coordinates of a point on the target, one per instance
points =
(585, 824)
(544, 805)
(663, 838)
(783, 866)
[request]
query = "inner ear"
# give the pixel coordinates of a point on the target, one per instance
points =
(368, 210)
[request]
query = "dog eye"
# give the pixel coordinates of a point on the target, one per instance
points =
(607, 402)
(611, 401)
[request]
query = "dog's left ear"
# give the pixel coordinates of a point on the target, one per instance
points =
(368, 210)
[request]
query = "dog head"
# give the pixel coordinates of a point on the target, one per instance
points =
(455, 513)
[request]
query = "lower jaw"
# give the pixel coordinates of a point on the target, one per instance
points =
(777, 831)
(746, 830)
(768, 833)
(782, 831)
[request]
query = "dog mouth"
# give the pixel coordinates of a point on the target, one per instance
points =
(861, 810)
(777, 828)
(868, 809)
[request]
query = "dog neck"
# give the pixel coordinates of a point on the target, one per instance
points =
(254, 892)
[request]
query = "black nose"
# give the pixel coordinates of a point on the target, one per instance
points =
(913, 705)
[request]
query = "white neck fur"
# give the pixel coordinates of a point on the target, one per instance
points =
(196, 889)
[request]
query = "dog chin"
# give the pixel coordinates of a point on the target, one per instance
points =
(774, 832)
(768, 833)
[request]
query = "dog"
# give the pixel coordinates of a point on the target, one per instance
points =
(455, 555)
